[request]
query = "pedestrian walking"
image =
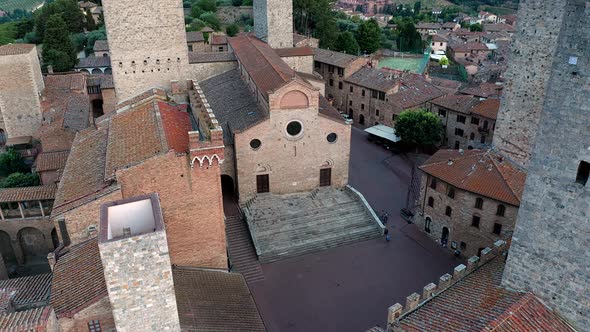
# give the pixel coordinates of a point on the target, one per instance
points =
(387, 235)
(385, 218)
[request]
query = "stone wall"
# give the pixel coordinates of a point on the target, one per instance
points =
(202, 71)
(549, 254)
(273, 22)
(138, 275)
(21, 85)
(533, 51)
(79, 219)
(292, 163)
(148, 45)
(191, 204)
(332, 90)
(109, 99)
(231, 14)
(302, 64)
(37, 232)
(481, 139)
(100, 311)
(459, 224)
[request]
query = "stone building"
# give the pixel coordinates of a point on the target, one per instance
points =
(469, 199)
(551, 237)
(21, 84)
(468, 121)
(144, 54)
(273, 22)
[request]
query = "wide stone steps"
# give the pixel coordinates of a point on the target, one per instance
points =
(321, 243)
(241, 250)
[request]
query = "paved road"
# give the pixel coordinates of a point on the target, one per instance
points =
(350, 288)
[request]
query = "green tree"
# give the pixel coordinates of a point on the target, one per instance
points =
(90, 23)
(207, 5)
(368, 36)
(475, 27)
(11, 162)
(419, 127)
(68, 9)
(347, 44)
(444, 61)
(58, 49)
(409, 39)
(211, 20)
(93, 36)
(196, 12)
(316, 17)
(417, 7)
(237, 3)
(232, 30)
(18, 180)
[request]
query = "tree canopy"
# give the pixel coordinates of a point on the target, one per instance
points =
(11, 162)
(409, 38)
(58, 49)
(67, 9)
(368, 36)
(17, 180)
(346, 43)
(316, 17)
(419, 127)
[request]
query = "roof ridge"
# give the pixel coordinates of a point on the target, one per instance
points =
(503, 177)
(272, 64)
(516, 306)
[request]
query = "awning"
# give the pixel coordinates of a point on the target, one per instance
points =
(384, 132)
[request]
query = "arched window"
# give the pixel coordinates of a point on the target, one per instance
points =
(430, 201)
(361, 119)
(449, 211)
(479, 203)
(451, 192)
(501, 210)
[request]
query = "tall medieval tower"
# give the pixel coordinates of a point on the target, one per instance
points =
(21, 85)
(147, 42)
(273, 22)
(549, 253)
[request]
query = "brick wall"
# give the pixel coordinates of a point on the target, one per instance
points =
(191, 204)
(147, 44)
(21, 84)
(460, 223)
(100, 311)
(549, 253)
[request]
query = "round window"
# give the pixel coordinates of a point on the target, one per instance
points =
(294, 128)
(255, 144)
(332, 138)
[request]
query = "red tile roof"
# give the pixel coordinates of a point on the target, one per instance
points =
(195, 36)
(218, 40)
(295, 51)
(479, 303)
(478, 171)
(487, 108)
(28, 193)
(458, 103)
(268, 71)
(484, 90)
(16, 49)
(26, 321)
(176, 125)
(78, 279)
(468, 47)
(29, 292)
(414, 91)
(50, 161)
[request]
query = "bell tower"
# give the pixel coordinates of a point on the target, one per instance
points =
(273, 22)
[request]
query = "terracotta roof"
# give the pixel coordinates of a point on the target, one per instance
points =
(101, 45)
(449, 25)
(16, 49)
(414, 91)
(83, 177)
(333, 58)
(28, 193)
(326, 109)
(50, 161)
(484, 90)
(487, 108)
(195, 36)
(297, 38)
(439, 38)
(78, 279)
(177, 125)
(206, 57)
(218, 40)
(69, 81)
(26, 321)
(430, 26)
(143, 97)
(103, 80)
(478, 171)
(373, 78)
(449, 86)
(266, 69)
(29, 292)
(498, 27)
(207, 29)
(94, 62)
(294, 51)
(458, 103)
(214, 301)
(468, 47)
(479, 303)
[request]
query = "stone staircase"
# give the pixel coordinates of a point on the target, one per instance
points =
(291, 225)
(241, 250)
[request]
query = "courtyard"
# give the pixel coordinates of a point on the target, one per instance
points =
(349, 288)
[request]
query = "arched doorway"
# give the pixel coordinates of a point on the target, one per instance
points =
(32, 243)
(227, 185)
(351, 114)
(6, 249)
(445, 236)
(97, 110)
(54, 238)
(96, 71)
(361, 119)
(427, 223)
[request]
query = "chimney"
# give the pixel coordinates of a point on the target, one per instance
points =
(50, 69)
(51, 259)
(65, 237)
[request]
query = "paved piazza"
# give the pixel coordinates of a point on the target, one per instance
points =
(349, 288)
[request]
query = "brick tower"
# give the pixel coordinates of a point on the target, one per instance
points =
(21, 84)
(273, 22)
(147, 43)
(549, 253)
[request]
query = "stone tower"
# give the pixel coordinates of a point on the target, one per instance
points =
(147, 42)
(134, 252)
(533, 50)
(273, 22)
(549, 253)
(21, 85)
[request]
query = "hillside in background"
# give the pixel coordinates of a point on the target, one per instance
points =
(28, 5)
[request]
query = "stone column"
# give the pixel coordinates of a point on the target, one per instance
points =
(3, 271)
(20, 208)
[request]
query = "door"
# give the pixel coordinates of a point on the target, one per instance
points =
(445, 236)
(262, 184)
(325, 177)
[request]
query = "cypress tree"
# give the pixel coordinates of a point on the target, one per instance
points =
(58, 49)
